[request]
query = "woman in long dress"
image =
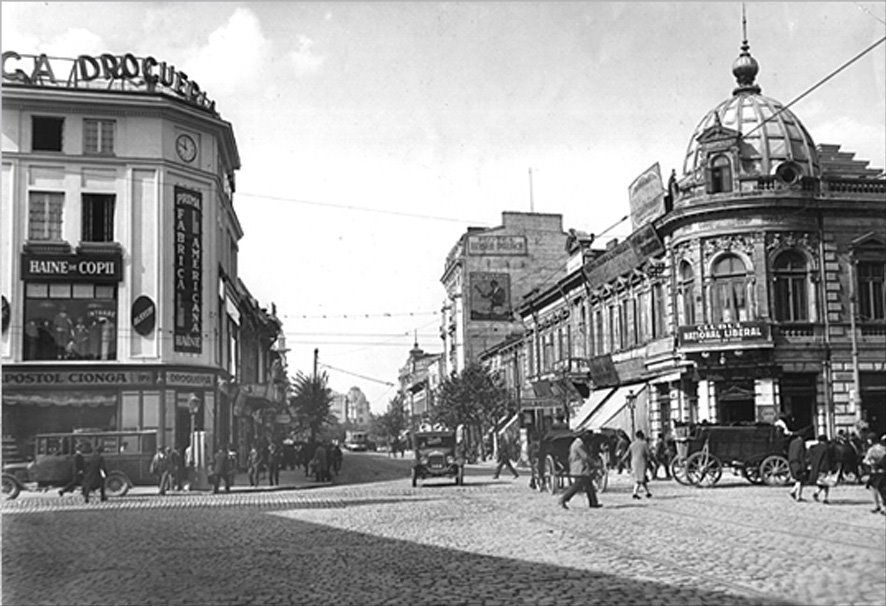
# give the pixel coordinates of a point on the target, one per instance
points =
(640, 454)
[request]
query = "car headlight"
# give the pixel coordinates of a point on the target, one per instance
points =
(450, 459)
(423, 460)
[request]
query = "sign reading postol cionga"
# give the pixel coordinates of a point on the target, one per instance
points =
(126, 72)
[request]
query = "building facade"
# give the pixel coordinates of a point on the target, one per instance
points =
(419, 380)
(487, 273)
(121, 298)
(750, 287)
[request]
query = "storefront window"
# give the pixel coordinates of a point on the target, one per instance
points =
(791, 300)
(70, 322)
(729, 290)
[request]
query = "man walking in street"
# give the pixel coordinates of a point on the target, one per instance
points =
(79, 464)
(504, 458)
(581, 470)
(94, 475)
(220, 470)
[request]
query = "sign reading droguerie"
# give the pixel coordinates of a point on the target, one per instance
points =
(126, 71)
(188, 271)
(736, 332)
(82, 267)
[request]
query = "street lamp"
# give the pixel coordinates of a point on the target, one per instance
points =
(193, 407)
(631, 401)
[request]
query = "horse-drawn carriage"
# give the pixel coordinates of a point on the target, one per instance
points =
(550, 467)
(758, 452)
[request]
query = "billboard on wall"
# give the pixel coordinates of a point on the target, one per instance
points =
(490, 296)
(646, 195)
(188, 271)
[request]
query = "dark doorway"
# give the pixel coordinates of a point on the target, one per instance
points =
(798, 399)
(873, 401)
(735, 402)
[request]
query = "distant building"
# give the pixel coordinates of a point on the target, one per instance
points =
(419, 379)
(487, 274)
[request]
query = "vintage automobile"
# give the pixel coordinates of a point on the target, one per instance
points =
(435, 457)
(127, 457)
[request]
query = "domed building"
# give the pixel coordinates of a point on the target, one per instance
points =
(751, 288)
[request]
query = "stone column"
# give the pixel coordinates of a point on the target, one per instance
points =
(707, 401)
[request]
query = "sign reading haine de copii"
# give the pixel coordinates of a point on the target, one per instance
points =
(127, 71)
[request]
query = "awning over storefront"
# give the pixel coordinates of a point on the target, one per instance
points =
(70, 398)
(596, 399)
(612, 405)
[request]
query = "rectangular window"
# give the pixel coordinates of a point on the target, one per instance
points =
(98, 217)
(45, 216)
(658, 311)
(46, 133)
(98, 137)
(62, 323)
(871, 294)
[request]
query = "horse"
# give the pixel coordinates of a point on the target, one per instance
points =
(846, 459)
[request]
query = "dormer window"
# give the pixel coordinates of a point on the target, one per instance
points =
(720, 175)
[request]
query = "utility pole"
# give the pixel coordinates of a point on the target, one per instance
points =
(531, 198)
(316, 353)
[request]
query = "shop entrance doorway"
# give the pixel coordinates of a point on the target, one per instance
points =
(735, 402)
(873, 401)
(798, 399)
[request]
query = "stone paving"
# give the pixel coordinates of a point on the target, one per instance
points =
(489, 542)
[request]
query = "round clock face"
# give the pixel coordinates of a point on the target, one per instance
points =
(186, 148)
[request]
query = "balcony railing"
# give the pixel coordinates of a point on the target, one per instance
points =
(796, 331)
(873, 329)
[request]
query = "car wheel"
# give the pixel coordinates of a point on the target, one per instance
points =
(116, 484)
(11, 487)
(414, 478)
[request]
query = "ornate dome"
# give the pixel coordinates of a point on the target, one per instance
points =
(771, 135)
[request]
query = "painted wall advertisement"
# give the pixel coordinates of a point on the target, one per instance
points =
(188, 271)
(497, 245)
(490, 296)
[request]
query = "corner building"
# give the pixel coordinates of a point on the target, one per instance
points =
(754, 288)
(119, 250)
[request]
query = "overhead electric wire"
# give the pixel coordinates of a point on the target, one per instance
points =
(348, 372)
(818, 84)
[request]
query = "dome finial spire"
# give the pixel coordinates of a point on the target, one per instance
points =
(745, 67)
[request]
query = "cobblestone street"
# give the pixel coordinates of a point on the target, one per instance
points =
(489, 542)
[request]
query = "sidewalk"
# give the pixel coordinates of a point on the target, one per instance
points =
(289, 480)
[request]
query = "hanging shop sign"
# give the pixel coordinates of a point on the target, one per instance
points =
(624, 257)
(144, 315)
(188, 379)
(602, 370)
(83, 267)
(646, 195)
(188, 271)
(723, 334)
(106, 72)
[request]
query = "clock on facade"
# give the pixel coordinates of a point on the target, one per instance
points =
(186, 148)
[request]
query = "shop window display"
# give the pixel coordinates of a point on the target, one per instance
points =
(62, 323)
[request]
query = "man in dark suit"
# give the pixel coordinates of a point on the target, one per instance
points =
(220, 470)
(94, 475)
(79, 464)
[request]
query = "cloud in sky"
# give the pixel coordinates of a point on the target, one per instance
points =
(304, 60)
(233, 54)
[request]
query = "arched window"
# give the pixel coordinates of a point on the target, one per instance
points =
(729, 288)
(687, 294)
(720, 175)
(790, 289)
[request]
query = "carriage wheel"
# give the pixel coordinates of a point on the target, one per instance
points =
(678, 471)
(11, 487)
(703, 469)
(551, 475)
(751, 473)
(775, 470)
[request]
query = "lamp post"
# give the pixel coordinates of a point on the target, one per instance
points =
(631, 401)
(193, 408)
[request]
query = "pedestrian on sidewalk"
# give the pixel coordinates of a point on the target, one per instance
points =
(160, 469)
(504, 458)
(581, 470)
(220, 470)
(640, 456)
(273, 465)
(78, 466)
(819, 468)
(253, 466)
(875, 458)
(178, 468)
(797, 464)
(660, 458)
(621, 448)
(94, 475)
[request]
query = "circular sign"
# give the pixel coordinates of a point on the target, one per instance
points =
(5, 314)
(144, 315)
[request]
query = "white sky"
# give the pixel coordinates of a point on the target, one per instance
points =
(439, 110)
